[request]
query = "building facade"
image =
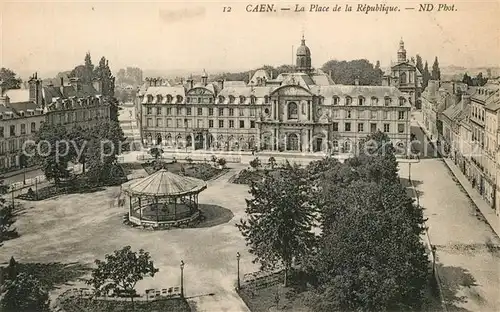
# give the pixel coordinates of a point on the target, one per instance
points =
(302, 111)
(405, 76)
(23, 111)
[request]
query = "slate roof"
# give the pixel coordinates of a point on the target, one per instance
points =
(65, 92)
(163, 184)
(453, 112)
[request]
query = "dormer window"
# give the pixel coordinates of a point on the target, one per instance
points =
(169, 98)
(188, 100)
(158, 98)
(387, 101)
(348, 100)
(374, 101)
(266, 99)
(361, 100)
(242, 99)
(402, 101)
(293, 112)
(336, 100)
(179, 99)
(221, 99)
(231, 99)
(252, 99)
(150, 98)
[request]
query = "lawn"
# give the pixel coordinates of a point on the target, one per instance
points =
(81, 304)
(247, 176)
(202, 171)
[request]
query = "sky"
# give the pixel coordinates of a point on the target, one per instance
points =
(48, 36)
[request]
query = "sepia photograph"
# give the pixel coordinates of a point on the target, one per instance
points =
(286, 156)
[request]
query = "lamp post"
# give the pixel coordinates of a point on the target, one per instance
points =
(433, 250)
(182, 279)
(238, 268)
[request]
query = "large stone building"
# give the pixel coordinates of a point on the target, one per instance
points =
(23, 111)
(405, 76)
(301, 111)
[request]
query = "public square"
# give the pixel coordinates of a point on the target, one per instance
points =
(84, 227)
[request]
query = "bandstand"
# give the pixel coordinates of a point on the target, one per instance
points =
(163, 200)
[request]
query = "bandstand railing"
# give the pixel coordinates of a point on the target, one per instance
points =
(164, 211)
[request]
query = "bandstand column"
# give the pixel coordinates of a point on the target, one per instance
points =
(175, 208)
(140, 209)
(192, 140)
(156, 207)
(205, 145)
(130, 205)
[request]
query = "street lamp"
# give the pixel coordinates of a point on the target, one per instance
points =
(433, 250)
(238, 268)
(182, 279)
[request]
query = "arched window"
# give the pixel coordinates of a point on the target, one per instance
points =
(158, 98)
(361, 100)
(242, 99)
(169, 98)
(179, 99)
(374, 101)
(252, 99)
(402, 78)
(387, 101)
(221, 99)
(402, 101)
(348, 100)
(293, 111)
(231, 99)
(336, 100)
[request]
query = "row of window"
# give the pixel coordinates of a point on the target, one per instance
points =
(348, 100)
(373, 127)
(12, 130)
(292, 112)
(478, 113)
(11, 146)
(200, 123)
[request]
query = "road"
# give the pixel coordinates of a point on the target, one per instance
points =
(467, 260)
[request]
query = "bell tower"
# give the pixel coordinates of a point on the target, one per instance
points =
(401, 52)
(303, 57)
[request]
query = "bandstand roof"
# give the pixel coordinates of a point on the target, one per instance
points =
(164, 184)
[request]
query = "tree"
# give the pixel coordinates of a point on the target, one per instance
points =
(54, 151)
(419, 64)
(25, 294)
(121, 271)
(436, 72)
(426, 76)
(345, 72)
(155, 152)
(7, 217)
(370, 256)
(79, 138)
(467, 80)
(8, 79)
(272, 162)
(221, 161)
(255, 163)
(279, 221)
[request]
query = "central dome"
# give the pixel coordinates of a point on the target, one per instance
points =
(303, 50)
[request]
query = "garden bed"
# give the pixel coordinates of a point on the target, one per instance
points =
(83, 304)
(202, 171)
(247, 176)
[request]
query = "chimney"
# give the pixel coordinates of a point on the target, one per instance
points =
(220, 83)
(76, 83)
(4, 100)
(453, 87)
(356, 81)
(35, 89)
(465, 100)
(190, 82)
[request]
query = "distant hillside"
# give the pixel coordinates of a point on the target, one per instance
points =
(457, 72)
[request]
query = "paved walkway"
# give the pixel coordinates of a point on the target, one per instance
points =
(484, 208)
(468, 268)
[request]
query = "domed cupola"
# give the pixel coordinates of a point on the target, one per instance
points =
(303, 57)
